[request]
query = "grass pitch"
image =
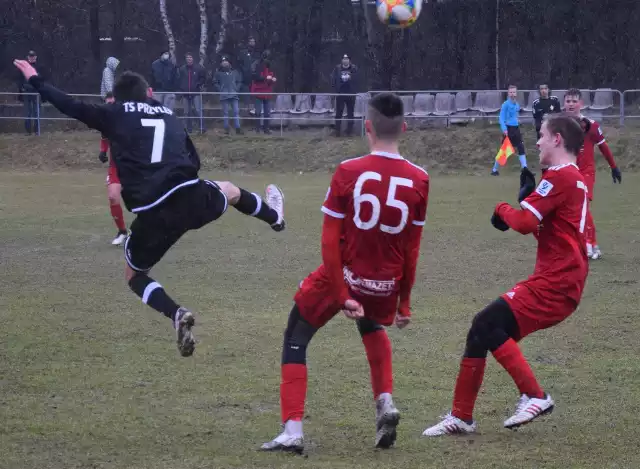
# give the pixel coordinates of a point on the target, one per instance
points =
(91, 378)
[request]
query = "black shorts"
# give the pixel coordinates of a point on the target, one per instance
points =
(154, 231)
(513, 132)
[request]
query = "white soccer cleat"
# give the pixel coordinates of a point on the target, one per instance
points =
(120, 238)
(528, 409)
(387, 419)
(183, 323)
(287, 441)
(596, 253)
(451, 425)
(275, 199)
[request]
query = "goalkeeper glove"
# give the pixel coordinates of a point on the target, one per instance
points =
(616, 175)
(498, 223)
(527, 184)
(103, 157)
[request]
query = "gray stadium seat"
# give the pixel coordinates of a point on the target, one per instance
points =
(302, 104)
(361, 105)
(521, 99)
(586, 99)
(493, 103)
(407, 101)
(533, 95)
(464, 101)
(281, 111)
(444, 104)
(480, 98)
(423, 104)
(602, 99)
(322, 104)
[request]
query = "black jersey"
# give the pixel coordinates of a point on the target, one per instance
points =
(152, 151)
(544, 106)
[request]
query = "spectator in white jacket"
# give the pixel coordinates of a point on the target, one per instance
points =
(108, 76)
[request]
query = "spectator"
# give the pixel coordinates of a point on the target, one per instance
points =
(108, 76)
(263, 81)
(228, 81)
(544, 105)
(192, 80)
(165, 80)
(30, 98)
(343, 81)
(246, 60)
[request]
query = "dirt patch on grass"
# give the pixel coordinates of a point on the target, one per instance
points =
(459, 150)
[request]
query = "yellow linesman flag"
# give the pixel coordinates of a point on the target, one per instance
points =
(506, 150)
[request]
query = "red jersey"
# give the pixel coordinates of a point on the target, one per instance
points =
(560, 204)
(383, 200)
(593, 136)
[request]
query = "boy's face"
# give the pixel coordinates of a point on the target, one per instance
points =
(572, 104)
(513, 93)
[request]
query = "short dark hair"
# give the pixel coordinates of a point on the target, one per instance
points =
(512, 86)
(386, 113)
(130, 86)
(569, 129)
(188, 54)
(543, 85)
(574, 92)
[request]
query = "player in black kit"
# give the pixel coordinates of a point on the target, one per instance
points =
(544, 105)
(158, 167)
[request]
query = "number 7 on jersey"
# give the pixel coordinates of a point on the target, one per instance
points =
(158, 137)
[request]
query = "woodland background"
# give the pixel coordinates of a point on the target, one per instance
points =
(456, 44)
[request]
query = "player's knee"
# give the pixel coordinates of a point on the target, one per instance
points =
(113, 194)
(297, 336)
(230, 190)
(367, 326)
(129, 273)
(474, 348)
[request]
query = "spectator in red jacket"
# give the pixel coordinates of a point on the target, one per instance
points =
(263, 81)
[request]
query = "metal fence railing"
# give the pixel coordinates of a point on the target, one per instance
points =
(298, 110)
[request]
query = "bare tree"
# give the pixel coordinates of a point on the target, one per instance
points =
(224, 20)
(204, 30)
(167, 29)
(497, 44)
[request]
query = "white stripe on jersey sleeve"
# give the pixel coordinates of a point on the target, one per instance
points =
(331, 213)
(532, 209)
(418, 222)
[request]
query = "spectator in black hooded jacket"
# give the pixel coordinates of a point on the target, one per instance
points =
(344, 82)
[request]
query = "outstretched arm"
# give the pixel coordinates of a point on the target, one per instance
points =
(91, 115)
(523, 221)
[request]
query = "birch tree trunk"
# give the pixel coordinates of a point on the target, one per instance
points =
(167, 29)
(224, 19)
(204, 30)
(497, 44)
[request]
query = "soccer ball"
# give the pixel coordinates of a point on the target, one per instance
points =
(398, 13)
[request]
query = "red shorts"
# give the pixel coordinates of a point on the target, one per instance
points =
(537, 308)
(590, 181)
(317, 305)
(112, 175)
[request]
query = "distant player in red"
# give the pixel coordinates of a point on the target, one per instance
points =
(375, 210)
(113, 186)
(593, 137)
(556, 215)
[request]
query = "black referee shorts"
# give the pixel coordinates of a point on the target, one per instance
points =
(154, 231)
(513, 132)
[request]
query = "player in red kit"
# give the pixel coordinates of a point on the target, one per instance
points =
(593, 137)
(556, 215)
(113, 186)
(375, 210)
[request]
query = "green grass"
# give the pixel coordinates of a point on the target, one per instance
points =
(90, 377)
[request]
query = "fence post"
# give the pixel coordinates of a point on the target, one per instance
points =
(201, 113)
(38, 114)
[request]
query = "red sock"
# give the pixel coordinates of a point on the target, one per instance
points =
(118, 216)
(510, 357)
(293, 391)
(591, 229)
(378, 348)
(467, 387)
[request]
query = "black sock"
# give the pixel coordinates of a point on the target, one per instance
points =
(152, 293)
(252, 205)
